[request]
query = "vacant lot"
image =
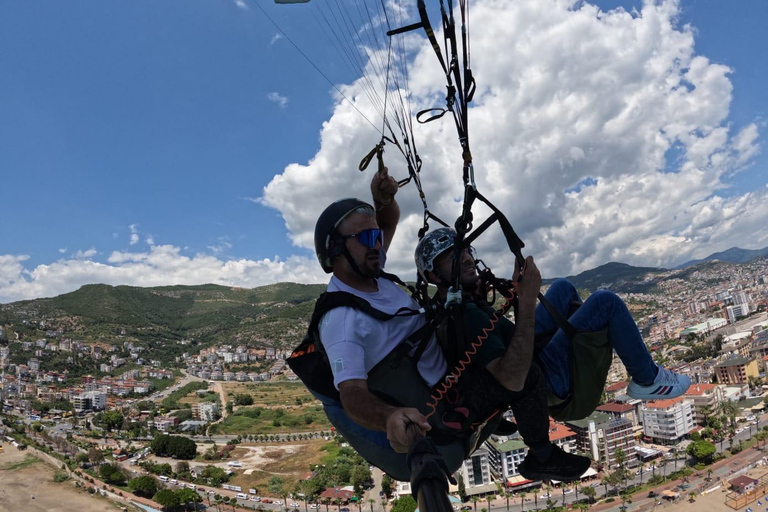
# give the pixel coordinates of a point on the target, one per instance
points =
(26, 484)
(282, 394)
(290, 462)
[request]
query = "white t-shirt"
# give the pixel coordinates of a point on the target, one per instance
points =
(355, 342)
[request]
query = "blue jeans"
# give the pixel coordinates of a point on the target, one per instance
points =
(374, 446)
(603, 309)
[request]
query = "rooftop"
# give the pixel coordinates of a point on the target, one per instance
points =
(700, 389)
(615, 407)
(736, 361)
(663, 404)
(618, 386)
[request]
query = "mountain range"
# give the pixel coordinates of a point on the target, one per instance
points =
(268, 316)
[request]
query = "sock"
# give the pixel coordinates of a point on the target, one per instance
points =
(541, 453)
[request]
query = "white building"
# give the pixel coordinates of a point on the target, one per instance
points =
(737, 311)
(667, 421)
(206, 411)
(476, 472)
(90, 401)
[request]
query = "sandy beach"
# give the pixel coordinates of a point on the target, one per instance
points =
(19, 485)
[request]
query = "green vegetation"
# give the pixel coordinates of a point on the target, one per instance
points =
(145, 486)
(172, 400)
(158, 318)
(179, 447)
(28, 461)
(257, 419)
(243, 399)
(60, 476)
(112, 474)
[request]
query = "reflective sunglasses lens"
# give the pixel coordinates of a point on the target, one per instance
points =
(369, 237)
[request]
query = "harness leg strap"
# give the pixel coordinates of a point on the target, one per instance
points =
(426, 463)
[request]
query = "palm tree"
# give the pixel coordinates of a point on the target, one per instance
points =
(507, 495)
(522, 500)
(590, 493)
(371, 502)
(606, 480)
(641, 471)
(709, 474)
(475, 499)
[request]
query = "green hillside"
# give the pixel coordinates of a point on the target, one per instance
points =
(157, 318)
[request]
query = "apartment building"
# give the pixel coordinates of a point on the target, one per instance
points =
(705, 398)
(601, 435)
(476, 472)
(667, 421)
(505, 455)
(621, 410)
(736, 371)
(90, 401)
(205, 411)
(735, 312)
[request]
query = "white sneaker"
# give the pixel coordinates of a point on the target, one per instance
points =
(666, 385)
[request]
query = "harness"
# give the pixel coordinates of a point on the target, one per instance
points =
(396, 378)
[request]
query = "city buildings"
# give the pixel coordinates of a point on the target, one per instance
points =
(600, 435)
(736, 370)
(667, 421)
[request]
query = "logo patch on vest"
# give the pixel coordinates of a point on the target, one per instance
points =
(338, 365)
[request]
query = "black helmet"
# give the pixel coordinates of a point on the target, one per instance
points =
(326, 226)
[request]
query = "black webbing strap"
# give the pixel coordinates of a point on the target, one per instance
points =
(559, 319)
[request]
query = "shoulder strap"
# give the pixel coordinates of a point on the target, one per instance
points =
(559, 319)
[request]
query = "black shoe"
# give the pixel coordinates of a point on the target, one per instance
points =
(505, 428)
(560, 466)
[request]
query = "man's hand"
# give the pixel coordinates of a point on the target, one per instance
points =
(528, 288)
(404, 425)
(383, 188)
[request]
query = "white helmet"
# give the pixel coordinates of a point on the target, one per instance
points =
(431, 246)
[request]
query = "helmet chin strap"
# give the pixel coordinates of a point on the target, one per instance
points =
(354, 264)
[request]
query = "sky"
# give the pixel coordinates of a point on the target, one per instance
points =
(153, 143)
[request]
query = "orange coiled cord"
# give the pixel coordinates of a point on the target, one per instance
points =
(446, 385)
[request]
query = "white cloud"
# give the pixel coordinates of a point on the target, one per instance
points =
(134, 234)
(278, 99)
(63, 250)
(275, 38)
(221, 247)
(84, 255)
(241, 4)
(161, 265)
(567, 95)
(602, 136)
(150, 240)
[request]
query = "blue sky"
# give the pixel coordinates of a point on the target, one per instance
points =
(166, 120)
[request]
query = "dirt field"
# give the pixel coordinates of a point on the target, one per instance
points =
(21, 479)
(272, 394)
(289, 461)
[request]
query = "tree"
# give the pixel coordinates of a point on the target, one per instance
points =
(589, 492)
(404, 504)
(702, 451)
(243, 399)
(95, 455)
(112, 474)
(462, 489)
(145, 486)
(229, 408)
(174, 446)
(112, 420)
(182, 468)
(81, 458)
(188, 496)
(215, 475)
(166, 498)
(386, 485)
